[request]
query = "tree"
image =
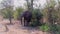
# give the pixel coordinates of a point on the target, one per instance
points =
(8, 6)
(30, 5)
(50, 8)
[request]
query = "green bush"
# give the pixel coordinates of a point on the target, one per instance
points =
(44, 27)
(6, 13)
(34, 23)
(36, 13)
(17, 13)
(55, 29)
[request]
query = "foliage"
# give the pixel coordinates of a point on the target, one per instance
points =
(52, 28)
(6, 13)
(17, 13)
(44, 27)
(55, 28)
(6, 3)
(35, 23)
(36, 13)
(58, 32)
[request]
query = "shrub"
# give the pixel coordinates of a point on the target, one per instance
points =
(17, 13)
(7, 13)
(44, 27)
(55, 29)
(36, 14)
(34, 23)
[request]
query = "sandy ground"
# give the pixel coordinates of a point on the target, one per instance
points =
(16, 28)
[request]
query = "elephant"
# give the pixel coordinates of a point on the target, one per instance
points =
(27, 15)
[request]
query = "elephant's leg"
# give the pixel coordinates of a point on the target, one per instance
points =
(21, 21)
(25, 22)
(28, 22)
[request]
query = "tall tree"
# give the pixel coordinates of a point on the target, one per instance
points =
(30, 4)
(8, 6)
(58, 10)
(50, 8)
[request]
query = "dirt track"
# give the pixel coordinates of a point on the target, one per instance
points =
(18, 29)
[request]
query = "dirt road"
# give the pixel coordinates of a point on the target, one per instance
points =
(17, 28)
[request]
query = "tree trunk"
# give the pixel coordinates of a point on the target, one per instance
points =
(31, 5)
(28, 4)
(10, 20)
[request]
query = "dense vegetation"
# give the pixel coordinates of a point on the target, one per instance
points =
(49, 13)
